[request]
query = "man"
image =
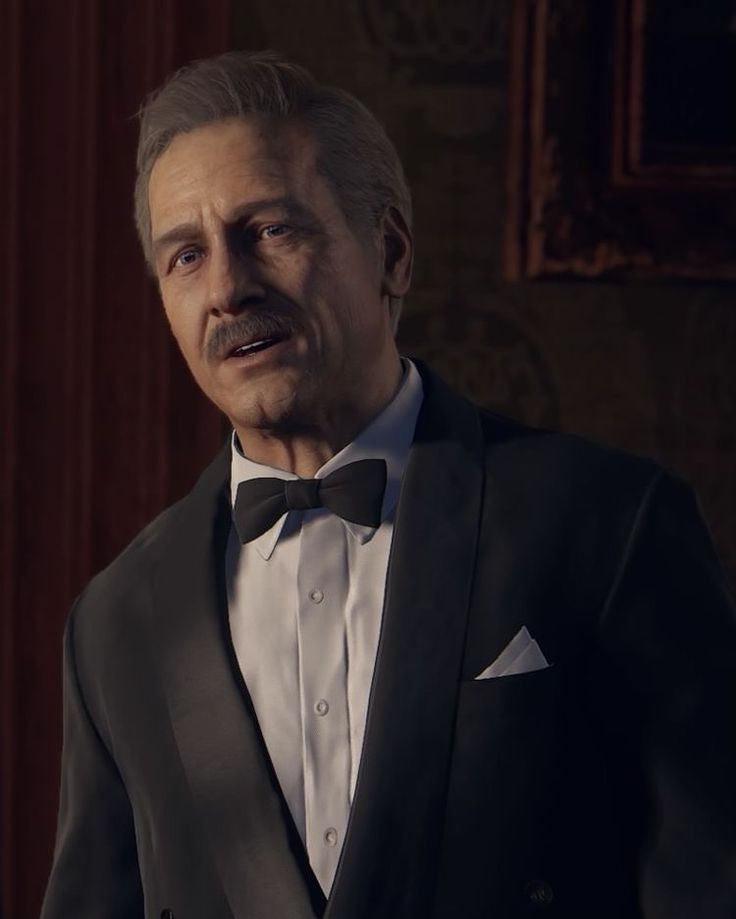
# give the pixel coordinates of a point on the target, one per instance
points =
(393, 656)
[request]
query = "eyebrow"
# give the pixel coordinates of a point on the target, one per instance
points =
(183, 232)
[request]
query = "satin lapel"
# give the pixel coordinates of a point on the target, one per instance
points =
(256, 846)
(389, 860)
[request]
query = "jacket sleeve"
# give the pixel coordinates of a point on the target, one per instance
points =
(669, 627)
(95, 869)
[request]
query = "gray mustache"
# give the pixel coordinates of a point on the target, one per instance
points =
(250, 326)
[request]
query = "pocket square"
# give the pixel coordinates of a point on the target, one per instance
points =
(521, 655)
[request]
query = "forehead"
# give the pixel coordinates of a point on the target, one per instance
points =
(226, 163)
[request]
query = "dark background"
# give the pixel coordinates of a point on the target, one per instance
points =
(101, 427)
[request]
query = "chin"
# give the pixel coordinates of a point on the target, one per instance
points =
(288, 400)
(276, 409)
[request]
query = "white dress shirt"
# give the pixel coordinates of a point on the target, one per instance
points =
(305, 604)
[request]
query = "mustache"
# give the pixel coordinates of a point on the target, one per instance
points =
(263, 323)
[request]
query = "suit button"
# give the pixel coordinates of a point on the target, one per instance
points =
(167, 914)
(540, 893)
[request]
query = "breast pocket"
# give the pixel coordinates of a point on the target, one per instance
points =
(511, 748)
(505, 723)
(508, 697)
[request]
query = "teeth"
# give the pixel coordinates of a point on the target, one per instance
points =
(244, 349)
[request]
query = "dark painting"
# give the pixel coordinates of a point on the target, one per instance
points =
(622, 154)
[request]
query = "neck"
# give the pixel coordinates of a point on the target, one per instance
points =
(303, 451)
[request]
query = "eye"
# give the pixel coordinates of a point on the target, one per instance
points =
(273, 231)
(186, 258)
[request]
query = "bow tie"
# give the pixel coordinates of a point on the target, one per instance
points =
(353, 492)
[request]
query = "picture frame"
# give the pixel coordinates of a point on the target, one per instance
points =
(622, 141)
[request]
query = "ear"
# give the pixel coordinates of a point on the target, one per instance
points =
(397, 253)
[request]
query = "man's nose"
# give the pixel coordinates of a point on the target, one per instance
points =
(232, 284)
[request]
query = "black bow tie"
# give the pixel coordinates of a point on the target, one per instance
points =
(353, 492)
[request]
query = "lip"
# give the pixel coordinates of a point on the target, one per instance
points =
(262, 356)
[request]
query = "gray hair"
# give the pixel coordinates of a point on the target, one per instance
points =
(356, 158)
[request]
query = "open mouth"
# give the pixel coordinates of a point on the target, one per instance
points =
(253, 347)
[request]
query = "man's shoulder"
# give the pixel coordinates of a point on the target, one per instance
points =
(119, 594)
(135, 560)
(566, 476)
(539, 449)
(541, 461)
(123, 587)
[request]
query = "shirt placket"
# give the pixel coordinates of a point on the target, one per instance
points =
(322, 584)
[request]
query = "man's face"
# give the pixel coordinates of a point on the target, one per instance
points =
(279, 308)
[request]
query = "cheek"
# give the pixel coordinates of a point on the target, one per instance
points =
(352, 301)
(185, 325)
(363, 316)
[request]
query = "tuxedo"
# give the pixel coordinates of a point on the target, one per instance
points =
(600, 786)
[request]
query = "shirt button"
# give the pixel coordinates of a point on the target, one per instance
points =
(331, 836)
(322, 707)
(316, 595)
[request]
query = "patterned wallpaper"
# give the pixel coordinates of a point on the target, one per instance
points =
(646, 367)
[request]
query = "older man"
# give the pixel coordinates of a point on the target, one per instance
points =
(393, 656)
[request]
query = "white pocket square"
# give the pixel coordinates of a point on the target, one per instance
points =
(521, 655)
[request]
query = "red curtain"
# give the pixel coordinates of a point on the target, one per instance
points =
(101, 426)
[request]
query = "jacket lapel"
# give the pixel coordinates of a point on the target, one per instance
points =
(257, 848)
(391, 849)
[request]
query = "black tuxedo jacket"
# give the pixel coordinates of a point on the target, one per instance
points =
(602, 787)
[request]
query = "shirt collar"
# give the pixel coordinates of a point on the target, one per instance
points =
(388, 436)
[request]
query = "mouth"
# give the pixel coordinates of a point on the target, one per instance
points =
(255, 346)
